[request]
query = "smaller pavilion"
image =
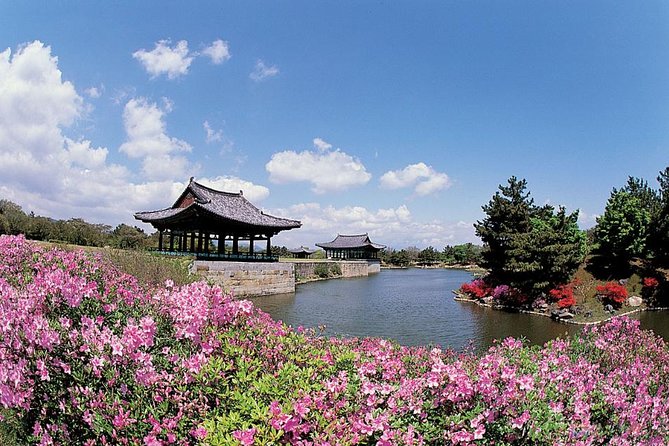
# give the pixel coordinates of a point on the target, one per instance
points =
(302, 252)
(210, 224)
(351, 247)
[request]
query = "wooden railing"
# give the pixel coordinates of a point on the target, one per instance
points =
(240, 257)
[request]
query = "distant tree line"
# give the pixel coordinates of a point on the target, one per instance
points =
(76, 231)
(464, 254)
(13, 220)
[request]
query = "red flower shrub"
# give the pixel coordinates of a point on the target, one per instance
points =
(650, 282)
(613, 292)
(477, 288)
(563, 295)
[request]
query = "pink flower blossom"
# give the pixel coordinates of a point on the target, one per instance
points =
(245, 437)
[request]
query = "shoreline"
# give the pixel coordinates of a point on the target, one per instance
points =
(459, 298)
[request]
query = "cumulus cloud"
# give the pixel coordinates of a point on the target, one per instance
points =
(53, 174)
(395, 227)
(163, 59)
(218, 51)
(327, 170)
(262, 71)
(322, 145)
(252, 192)
(147, 138)
(423, 178)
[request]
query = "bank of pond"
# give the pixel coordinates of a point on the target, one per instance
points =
(415, 306)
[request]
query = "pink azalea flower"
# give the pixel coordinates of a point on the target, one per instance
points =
(245, 437)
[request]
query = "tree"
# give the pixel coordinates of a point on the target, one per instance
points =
(658, 238)
(622, 230)
(428, 255)
(40, 228)
(548, 255)
(530, 248)
(648, 197)
(12, 218)
(126, 236)
(507, 215)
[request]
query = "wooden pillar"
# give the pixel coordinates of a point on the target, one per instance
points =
(199, 241)
(269, 245)
(192, 242)
(251, 244)
(171, 241)
(206, 242)
(221, 243)
(235, 244)
(160, 240)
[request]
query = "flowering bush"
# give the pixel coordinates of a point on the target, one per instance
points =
(563, 295)
(650, 283)
(89, 357)
(613, 293)
(87, 354)
(476, 288)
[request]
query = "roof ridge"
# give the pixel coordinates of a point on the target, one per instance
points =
(239, 194)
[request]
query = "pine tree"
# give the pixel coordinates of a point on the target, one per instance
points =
(658, 239)
(530, 248)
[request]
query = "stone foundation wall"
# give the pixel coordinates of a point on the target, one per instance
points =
(246, 279)
(249, 279)
(349, 268)
(373, 267)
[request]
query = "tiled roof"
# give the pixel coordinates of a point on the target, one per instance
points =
(350, 241)
(302, 249)
(226, 205)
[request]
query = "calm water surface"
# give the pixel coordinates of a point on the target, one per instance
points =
(416, 307)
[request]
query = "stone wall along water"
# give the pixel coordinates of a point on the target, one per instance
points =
(246, 279)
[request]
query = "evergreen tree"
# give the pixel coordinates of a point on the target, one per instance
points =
(658, 240)
(622, 230)
(530, 248)
(507, 215)
(550, 253)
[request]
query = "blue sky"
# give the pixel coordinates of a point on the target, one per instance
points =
(394, 118)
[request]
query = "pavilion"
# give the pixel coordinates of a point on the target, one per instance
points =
(302, 252)
(202, 215)
(351, 247)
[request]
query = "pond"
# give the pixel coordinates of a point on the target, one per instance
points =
(416, 307)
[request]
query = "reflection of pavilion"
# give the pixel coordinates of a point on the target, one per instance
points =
(351, 247)
(201, 215)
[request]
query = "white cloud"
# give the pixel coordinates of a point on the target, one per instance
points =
(262, 71)
(52, 174)
(212, 135)
(322, 145)
(218, 51)
(395, 227)
(147, 138)
(327, 170)
(423, 178)
(163, 59)
(94, 92)
(586, 220)
(252, 192)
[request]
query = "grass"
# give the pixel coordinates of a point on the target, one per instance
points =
(149, 268)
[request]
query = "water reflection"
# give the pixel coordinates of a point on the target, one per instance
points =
(414, 307)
